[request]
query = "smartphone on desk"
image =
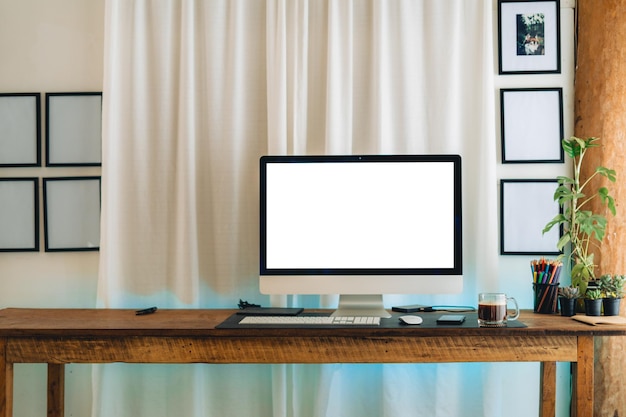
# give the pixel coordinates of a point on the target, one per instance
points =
(451, 319)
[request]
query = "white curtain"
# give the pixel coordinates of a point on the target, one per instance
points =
(194, 92)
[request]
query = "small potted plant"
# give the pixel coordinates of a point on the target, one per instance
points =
(567, 300)
(583, 229)
(593, 302)
(612, 289)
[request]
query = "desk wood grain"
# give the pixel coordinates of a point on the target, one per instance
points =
(290, 349)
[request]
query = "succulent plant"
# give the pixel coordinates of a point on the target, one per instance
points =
(569, 292)
(612, 286)
(593, 294)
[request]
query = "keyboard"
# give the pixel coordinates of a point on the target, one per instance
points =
(311, 320)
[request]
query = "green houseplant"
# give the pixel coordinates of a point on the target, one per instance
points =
(583, 229)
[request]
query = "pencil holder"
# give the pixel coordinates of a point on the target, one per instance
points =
(545, 298)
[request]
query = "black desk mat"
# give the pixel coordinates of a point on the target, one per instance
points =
(430, 321)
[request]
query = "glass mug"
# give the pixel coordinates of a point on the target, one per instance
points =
(492, 309)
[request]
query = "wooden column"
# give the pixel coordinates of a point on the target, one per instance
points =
(600, 93)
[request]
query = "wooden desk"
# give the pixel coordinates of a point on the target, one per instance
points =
(60, 336)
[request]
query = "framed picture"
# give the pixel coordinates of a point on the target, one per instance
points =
(19, 214)
(526, 206)
(73, 129)
(529, 36)
(531, 125)
(71, 213)
(20, 130)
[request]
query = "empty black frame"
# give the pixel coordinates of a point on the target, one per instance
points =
(526, 206)
(71, 213)
(74, 129)
(19, 214)
(529, 37)
(531, 125)
(20, 129)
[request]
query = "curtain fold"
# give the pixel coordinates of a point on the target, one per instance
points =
(195, 91)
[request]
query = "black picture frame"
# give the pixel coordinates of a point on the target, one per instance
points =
(20, 129)
(531, 125)
(74, 129)
(19, 214)
(529, 37)
(72, 213)
(526, 206)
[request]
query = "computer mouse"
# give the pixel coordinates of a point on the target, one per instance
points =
(411, 319)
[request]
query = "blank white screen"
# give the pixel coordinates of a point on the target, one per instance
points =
(360, 215)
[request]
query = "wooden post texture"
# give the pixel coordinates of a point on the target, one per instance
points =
(600, 96)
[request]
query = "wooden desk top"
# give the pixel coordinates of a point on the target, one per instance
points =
(20, 322)
(61, 336)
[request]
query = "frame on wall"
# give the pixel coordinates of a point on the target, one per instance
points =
(19, 214)
(526, 206)
(74, 129)
(71, 213)
(20, 130)
(531, 125)
(529, 36)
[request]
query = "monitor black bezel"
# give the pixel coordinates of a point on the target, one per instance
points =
(457, 269)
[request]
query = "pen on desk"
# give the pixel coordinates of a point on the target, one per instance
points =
(145, 311)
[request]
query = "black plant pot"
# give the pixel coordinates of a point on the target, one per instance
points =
(568, 306)
(593, 307)
(611, 306)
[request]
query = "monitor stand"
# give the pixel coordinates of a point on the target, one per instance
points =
(361, 305)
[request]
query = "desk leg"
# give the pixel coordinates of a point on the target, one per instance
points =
(548, 390)
(6, 383)
(582, 379)
(56, 390)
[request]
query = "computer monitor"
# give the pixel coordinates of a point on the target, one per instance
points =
(360, 226)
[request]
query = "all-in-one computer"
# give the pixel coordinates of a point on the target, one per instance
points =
(360, 226)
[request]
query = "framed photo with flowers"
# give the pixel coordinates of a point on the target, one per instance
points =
(529, 36)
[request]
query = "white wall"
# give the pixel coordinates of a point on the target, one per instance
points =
(514, 270)
(57, 46)
(50, 46)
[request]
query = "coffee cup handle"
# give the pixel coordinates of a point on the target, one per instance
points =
(516, 314)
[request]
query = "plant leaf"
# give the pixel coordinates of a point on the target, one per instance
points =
(606, 172)
(603, 192)
(565, 180)
(591, 142)
(572, 146)
(559, 218)
(564, 240)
